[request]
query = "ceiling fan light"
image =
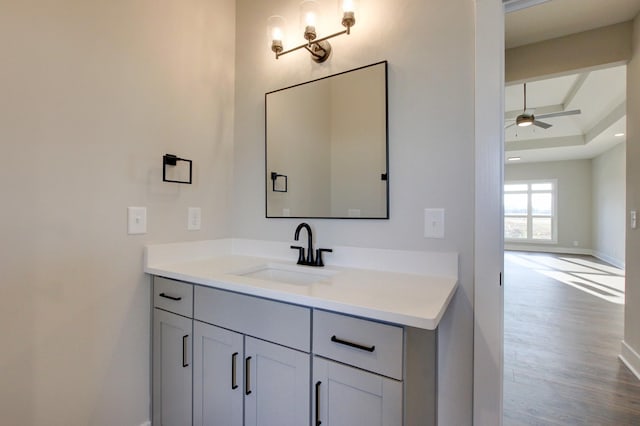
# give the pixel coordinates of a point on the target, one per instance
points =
(524, 120)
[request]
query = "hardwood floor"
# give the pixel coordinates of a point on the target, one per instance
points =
(563, 324)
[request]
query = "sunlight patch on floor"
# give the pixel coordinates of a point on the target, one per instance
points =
(591, 286)
(521, 260)
(613, 282)
(603, 281)
(559, 264)
(597, 266)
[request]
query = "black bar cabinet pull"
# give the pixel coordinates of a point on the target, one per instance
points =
(185, 363)
(352, 344)
(318, 422)
(234, 384)
(247, 376)
(166, 296)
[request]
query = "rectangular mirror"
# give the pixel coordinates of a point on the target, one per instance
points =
(327, 145)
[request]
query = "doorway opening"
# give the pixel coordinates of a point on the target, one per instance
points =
(565, 243)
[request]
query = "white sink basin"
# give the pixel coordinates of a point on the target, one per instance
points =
(290, 274)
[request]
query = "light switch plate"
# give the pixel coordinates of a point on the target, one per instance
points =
(194, 218)
(634, 219)
(434, 223)
(136, 220)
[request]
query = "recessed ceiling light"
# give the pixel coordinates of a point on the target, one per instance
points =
(514, 159)
(617, 135)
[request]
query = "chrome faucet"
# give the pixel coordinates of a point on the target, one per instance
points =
(309, 259)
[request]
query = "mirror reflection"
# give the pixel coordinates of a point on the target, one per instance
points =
(326, 147)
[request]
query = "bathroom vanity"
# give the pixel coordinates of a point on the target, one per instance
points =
(244, 336)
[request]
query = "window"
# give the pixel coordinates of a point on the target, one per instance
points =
(530, 211)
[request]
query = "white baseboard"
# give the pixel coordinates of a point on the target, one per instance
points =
(610, 260)
(630, 358)
(548, 249)
(147, 423)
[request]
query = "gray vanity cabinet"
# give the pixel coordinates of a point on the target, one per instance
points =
(172, 352)
(344, 393)
(271, 380)
(222, 358)
(348, 396)
(277, 385)
(253, 351)
(172, 369)
(218, 373)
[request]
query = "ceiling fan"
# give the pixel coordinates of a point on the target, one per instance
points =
(525, 119)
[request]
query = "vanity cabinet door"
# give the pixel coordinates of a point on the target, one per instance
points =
(347, 396)
(276, 385)
(218, 376)
(172, 369)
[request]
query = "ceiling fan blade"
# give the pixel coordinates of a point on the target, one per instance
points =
(541, 124)
(560, 114)
(509, 125)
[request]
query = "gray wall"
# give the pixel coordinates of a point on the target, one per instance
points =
(609, 217)
(93, 94)
(430, 49)
(574, 200)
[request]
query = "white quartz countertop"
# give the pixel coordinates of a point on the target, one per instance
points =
(415, 299)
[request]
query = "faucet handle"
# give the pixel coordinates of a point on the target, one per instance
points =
(319, 255)
(300, 254)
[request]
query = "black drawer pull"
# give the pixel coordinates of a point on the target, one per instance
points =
(185, 361)
(247, 376)
(352, 344)
(234, 384)
(318, 422)
(166, 296)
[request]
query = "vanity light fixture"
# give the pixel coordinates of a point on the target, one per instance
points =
(320, 48)
(514, 159)
(619, 135)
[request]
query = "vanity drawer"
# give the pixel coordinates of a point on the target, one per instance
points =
(362, 343)
(277, 322)
(173, 296)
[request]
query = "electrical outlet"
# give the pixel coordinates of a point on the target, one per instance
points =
(136, 220)
(194, 218)
(434, 223)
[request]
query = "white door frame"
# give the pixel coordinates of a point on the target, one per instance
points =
(488, 246)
